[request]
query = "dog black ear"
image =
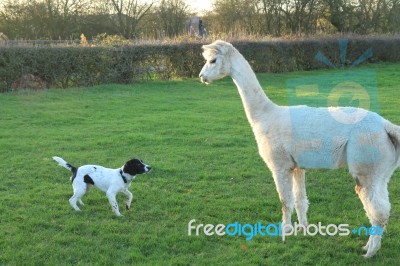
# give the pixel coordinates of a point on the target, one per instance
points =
(133, 167)
(129, 167)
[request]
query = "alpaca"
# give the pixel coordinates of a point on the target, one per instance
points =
(292, 139)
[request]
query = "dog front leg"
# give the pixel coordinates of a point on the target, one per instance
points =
(113, 202)
(129, 199)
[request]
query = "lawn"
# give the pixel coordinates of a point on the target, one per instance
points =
(205, 167)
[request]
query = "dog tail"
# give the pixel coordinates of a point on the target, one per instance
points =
(66, 165)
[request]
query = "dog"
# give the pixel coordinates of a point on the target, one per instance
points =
(110, 181)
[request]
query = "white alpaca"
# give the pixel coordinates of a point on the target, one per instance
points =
(291, 139)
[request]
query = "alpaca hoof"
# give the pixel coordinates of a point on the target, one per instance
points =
(302, 227)
(368, 255)
(287, 229)
(372, 246)
(366, 247)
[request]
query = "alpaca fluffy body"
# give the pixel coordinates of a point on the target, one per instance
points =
(291, 139)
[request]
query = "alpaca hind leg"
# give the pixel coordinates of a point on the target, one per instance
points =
(375, 198)
(300, 196)
(284, 183)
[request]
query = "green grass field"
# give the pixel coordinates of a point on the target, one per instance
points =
(205, 167)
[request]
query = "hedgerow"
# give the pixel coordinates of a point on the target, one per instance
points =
(85, 66)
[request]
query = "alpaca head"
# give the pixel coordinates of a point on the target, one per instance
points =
(218, 63)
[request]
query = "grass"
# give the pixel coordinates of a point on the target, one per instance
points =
(206, 167)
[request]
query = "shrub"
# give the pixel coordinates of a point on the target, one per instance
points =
(85, 66)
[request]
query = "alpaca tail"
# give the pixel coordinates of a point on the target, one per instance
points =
(393, 132)
(66, 165)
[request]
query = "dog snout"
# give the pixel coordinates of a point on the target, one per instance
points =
(148, 168)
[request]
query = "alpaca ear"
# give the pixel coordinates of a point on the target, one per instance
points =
(219, 47)
(210, 47)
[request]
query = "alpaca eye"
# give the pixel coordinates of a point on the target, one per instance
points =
(213, 61)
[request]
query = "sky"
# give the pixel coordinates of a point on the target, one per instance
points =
(200, 5)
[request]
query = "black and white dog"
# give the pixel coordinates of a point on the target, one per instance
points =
(111, 181)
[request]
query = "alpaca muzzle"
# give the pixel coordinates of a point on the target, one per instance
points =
(203, 79)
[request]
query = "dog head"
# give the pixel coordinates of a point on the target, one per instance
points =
(135, 167)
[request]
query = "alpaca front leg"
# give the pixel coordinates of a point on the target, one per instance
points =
(300, 196)
(283, 183)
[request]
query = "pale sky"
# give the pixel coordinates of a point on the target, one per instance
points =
(200, 5)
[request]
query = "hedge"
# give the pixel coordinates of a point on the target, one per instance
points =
(85, 66)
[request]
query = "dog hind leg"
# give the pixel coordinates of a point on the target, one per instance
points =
(88, 186)
(74, 199)
(79, 191)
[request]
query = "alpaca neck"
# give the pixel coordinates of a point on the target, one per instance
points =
(255, 101)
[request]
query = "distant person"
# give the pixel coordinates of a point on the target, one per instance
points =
(201, 28)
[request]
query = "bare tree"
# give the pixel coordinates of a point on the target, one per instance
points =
(128, 14)
(236, 15)
(63, 16)
(43, 19)
(171, 16)
(272, 13)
